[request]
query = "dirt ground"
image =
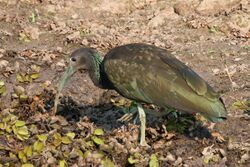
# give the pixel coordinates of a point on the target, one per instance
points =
(36, 39)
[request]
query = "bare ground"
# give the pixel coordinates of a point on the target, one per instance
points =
(213, 40)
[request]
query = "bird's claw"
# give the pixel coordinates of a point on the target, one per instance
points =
(144, 144)
(126, 117)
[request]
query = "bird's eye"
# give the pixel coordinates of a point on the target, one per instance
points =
(73, 59)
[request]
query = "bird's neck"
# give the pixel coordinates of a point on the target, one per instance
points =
(97, 73)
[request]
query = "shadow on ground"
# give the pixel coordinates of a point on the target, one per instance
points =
(106, 116)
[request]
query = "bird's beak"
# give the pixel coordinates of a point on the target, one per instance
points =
(66, 76)
(64, 80)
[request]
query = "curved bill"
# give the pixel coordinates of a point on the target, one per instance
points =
(64, 80)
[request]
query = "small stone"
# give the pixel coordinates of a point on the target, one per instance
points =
(85, 42)
(232, 146)
(216, 71)
(170, 157)
(178, 161)
(222, 152)
(243, 53)
(2, 50)
(47, 83)
(59, 49)
(75, 35)
(51, 160)
(74, 16)
(61, 63)
(3, 63)
(237, 59)
(244, 158)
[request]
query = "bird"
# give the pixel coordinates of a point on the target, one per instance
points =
(148, 74)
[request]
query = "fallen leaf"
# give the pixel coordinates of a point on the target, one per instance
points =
(98, 132)
(38, 146)
(66, 140)
(42, 137)
(153, 161)
(71, 135)
(19, 123)
(97, 140)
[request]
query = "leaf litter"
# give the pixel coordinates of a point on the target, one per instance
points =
(86, 133)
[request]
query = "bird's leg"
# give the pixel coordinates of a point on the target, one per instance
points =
(142, 117)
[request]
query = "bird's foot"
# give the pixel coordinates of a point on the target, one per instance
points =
(128, 116)
(143, 143)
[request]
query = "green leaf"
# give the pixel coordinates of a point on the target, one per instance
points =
(38, 146)
(23, 97)
(62, 163)
(71, 135)
(80, 153)
(42, 137)
(22, 156)
(23, 131)
(98, 132)
(33, 17)
(27, 165)
(1, 83)
(66, 140)
(57, 136)
(19, 123)
(29, 151)
(3, 90)
(35, 75)
(19, 78)
(153, 161)
(86, 154)
(57, 142)
(107, 163)
(23, 37)
(214, 29)
(97, 140)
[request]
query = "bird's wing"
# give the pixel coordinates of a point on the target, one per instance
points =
(153, 75)
(193, 80)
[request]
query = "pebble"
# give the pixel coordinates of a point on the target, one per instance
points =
(170, 157)
(74, 16)
(223, 152)
(51, 160)
(245, 158)
(232, 146)
(59, 49)
(178, 161)
(216, 71)
(3, 63)
(61, 63)
(243, 53)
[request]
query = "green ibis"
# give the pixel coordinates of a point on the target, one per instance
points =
(149, 74)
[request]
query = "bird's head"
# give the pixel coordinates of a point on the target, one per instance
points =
(83, 59)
